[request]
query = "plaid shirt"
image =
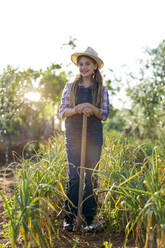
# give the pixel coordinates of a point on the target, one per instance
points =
(65, 102)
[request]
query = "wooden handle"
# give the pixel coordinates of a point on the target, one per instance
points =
(82, 169)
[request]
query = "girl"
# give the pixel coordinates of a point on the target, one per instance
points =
(85, 95)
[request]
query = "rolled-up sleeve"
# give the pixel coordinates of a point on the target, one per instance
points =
(104, 111)
(65, 99)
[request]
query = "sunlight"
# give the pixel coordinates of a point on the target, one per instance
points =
(57, 121)
(63, 126)
(33, 96)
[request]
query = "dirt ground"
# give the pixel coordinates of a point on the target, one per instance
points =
(65, 239)
(92, 240)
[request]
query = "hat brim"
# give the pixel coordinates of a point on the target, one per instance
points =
(75, 56)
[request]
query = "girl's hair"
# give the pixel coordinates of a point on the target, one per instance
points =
(97, 88)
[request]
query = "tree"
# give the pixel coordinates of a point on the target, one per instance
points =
(51, 86)
(148, 96)
(10, 100)
(15, 110)
(52, 83)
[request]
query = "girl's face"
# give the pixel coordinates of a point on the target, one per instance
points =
(86, 66)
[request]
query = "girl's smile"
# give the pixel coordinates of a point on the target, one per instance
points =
(86, 66)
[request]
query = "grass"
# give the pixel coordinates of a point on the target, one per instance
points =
(131, 193)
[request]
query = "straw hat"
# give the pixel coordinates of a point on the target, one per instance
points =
(90, 52)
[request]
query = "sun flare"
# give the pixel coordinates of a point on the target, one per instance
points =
(33, 96)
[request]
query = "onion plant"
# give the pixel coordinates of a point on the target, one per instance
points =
(38, 193)
(131, 193)
(133, 190)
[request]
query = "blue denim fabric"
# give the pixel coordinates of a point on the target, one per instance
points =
(73, 148)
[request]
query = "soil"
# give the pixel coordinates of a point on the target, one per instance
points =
(64, 239)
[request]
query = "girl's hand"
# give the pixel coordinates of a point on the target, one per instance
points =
(80, 107)
(87, 111)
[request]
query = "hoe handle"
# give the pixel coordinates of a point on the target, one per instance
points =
(82, 169)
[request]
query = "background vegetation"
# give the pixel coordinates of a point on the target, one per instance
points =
(145, 118)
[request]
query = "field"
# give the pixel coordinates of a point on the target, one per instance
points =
(131, 197)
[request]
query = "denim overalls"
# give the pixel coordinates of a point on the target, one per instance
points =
(73, 136)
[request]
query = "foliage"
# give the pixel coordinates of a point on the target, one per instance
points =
(10, 100)
(13, 111)
(71, 43)
(131, 188)
(37, 195)
(132, 184)
(52, 83)
(146, 117)
(20, 116)
(116, 120)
